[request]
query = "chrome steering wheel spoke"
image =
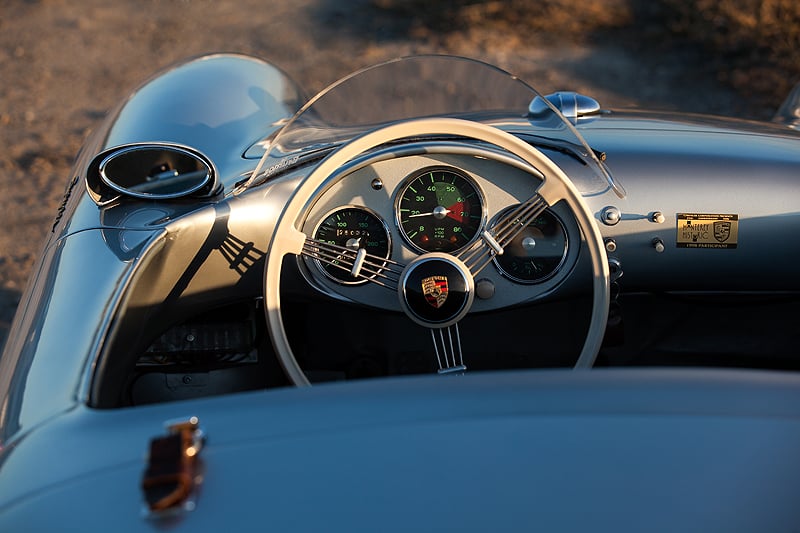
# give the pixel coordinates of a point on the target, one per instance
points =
(447, 346)
(493, 241)
(357, 262)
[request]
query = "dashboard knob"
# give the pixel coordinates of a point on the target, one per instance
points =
(610, 215)
(658, 217)
(658, 244)
(614, 269)
(611, 245)
(484, 289)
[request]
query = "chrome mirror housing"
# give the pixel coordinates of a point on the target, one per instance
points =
(156, 171)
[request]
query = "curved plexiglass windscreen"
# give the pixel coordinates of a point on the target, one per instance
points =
(417, 87)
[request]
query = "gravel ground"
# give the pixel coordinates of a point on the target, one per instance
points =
(63, 64)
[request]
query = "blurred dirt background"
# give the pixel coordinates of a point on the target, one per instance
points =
(63, 64)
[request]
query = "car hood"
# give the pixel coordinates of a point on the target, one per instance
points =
(566, 450)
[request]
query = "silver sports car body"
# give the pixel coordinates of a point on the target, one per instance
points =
(517, 311)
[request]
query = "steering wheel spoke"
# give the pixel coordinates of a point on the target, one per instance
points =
(447, 346)
(494, 240)
(357, 262)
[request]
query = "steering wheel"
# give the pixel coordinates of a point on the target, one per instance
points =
(419, 283)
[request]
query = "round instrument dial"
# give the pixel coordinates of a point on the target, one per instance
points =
(439, 210)
(537, 252)
(353, 228)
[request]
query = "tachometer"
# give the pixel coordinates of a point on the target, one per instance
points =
(353, 228)
(439, 210)
(537, 252)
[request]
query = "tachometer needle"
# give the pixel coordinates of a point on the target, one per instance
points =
(439, 212)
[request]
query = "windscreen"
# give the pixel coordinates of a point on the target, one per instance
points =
(417, 87)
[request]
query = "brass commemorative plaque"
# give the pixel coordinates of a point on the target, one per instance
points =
(707, 230)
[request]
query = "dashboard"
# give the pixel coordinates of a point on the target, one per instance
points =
(399, 208)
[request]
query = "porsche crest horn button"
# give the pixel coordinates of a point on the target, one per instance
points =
(436, 290)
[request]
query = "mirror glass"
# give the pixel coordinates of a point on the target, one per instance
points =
(155, 171)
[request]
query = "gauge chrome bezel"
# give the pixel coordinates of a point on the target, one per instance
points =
(347, 207)
(561, 262)
(408, 180)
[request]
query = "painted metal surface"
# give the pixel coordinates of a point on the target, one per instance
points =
(700, 165)
(219, 105)
(607, 451)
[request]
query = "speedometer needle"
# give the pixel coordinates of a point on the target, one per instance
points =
(353, 244)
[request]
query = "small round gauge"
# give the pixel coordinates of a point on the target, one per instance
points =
(537, 252)
(439, 210)
(354, 228)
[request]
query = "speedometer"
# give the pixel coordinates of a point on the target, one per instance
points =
(351, 228)
(439, 210)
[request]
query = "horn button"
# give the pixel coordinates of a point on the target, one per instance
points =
(436, 290)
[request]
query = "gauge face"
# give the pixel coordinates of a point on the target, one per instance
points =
(439, 210)
(537, 252)
(354, 228)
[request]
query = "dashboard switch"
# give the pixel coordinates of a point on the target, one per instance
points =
(611, 245)
(658, 244)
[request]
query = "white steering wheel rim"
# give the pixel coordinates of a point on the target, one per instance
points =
(288, 239)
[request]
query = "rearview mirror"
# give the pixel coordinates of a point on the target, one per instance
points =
(156, 171)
